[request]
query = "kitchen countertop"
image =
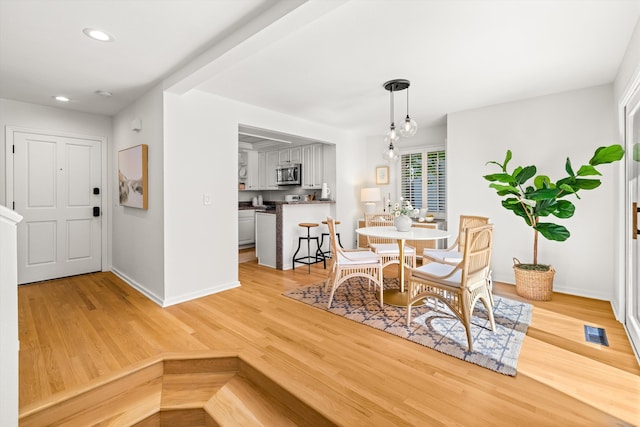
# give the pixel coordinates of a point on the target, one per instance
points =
(270, 206)
(271, 209)
(310, 202)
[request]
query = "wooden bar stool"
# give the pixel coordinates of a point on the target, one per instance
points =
(309, 259)
(327, 254)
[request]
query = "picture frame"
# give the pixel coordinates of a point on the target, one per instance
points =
(133, 180)
(382, 175)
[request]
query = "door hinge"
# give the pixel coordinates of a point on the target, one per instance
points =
(13, 149)
(14, 206)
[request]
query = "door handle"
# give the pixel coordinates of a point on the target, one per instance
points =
(96, 211)
(634, 220)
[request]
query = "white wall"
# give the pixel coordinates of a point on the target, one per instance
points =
(138, 241)
(541, 131)
(201, 134)
(22, 114)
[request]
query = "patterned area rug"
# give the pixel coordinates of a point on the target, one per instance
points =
(439, 330)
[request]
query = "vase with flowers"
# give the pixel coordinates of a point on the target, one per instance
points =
(403, 211)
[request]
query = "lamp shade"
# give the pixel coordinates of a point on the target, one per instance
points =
(370, 195)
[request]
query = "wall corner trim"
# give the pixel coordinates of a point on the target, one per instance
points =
(137, 286)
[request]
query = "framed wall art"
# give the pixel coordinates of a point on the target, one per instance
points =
(133, 182)
(382, 175)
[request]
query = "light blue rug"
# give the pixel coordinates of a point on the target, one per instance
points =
(439, 330)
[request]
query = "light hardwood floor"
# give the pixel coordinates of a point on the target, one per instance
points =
(76, 329)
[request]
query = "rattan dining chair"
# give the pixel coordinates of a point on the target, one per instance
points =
(352, 263)
(387, 248)
(453, 254)
(458, 286)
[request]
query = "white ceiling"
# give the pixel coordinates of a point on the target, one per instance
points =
(322, 60)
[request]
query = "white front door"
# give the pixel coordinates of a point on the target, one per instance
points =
(55, 181)
(632, 306)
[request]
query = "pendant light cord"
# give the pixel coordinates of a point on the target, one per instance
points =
(407, 102)
(391, 118)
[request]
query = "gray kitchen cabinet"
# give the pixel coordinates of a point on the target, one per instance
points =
(253, 171)
(242, 158)
(271, 163)
(284, 156)
(267, 164)
(290, 155)
(246, 227)
(312, 166)
(296, 155)
(262, 170)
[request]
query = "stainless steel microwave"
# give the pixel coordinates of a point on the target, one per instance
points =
(289, 175)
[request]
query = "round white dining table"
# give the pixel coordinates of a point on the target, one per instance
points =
(398, 297)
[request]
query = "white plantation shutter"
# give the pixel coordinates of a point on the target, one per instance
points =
(423, 180)
(411, 178)
(436, 182)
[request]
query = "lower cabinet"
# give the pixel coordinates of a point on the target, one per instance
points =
(246, 227)
(266, 239)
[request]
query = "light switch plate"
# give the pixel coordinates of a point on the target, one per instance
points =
(206, 199)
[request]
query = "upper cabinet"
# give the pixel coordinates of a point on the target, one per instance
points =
(312, 165)
(290, 155)
(258, 169)
(271, 165)
(243, 158)
(253, 171)
(261, 170)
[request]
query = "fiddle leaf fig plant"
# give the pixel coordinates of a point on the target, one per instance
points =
(533, 197)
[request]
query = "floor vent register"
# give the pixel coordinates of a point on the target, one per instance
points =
(595, 335)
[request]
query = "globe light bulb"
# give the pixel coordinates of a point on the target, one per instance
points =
(409, 127)
(392, 135)
(390, 154)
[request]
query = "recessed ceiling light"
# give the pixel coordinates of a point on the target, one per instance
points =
(104, 93)
(61, 98)
(97, 35)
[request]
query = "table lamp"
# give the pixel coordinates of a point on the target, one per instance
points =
(370, 196)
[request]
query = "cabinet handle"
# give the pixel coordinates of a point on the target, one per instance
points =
(634, 220)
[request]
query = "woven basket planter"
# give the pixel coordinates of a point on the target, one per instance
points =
(532, 284)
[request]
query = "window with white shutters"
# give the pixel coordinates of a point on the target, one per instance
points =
(411, 178)
(436, 181)
(423, 180)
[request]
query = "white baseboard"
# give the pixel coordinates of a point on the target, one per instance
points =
(619, 314)
(137, 286)
(177, 299)
(605, 296)
(201, 293)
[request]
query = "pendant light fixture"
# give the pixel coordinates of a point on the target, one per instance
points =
(392, 134)
(408, 127)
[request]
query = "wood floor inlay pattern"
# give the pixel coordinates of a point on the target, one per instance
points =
(77, 329)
